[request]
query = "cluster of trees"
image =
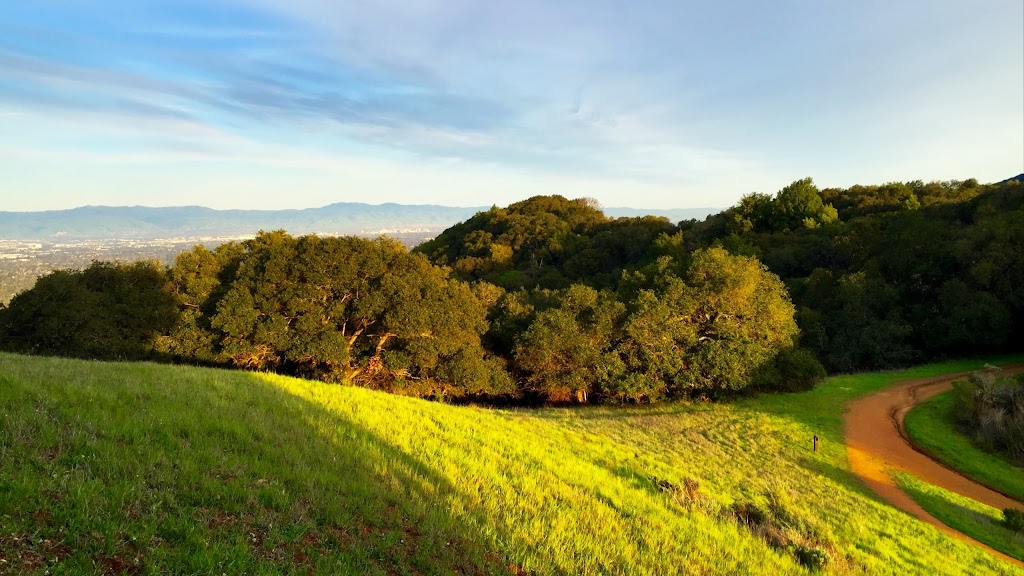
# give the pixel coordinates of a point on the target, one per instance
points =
(370, 313)
(991, 410)
(620, 308)
(107, 311)
(551, 242)
(550, 299)
(711, 325)
(884, 276)
(343, 309)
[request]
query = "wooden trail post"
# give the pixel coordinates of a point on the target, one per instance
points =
(815, 442)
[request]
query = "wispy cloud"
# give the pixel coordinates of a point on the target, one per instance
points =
(676, 103)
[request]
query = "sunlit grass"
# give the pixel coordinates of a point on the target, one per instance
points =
(931, 425)
(165, 469)
(981, 522)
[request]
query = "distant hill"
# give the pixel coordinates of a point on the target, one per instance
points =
(673, 214)
(1018, 178)
(140, 222)
(104, 222)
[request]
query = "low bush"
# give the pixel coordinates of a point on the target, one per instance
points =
(778, 523)
(688, 495)
(991, 409)
(792, 370)
(810, 557)
(1014, 519)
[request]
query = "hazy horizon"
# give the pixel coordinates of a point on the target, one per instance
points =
(79, 207)
(408, 204)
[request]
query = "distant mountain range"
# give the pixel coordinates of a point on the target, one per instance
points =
(140, 222)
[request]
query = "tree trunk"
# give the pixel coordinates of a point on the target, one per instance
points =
(383, 340)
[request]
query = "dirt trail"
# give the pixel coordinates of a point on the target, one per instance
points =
(876, 443)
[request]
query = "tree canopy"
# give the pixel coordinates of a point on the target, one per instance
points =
(550, 300)
(341, 309)
(906, 272)
(107, 311)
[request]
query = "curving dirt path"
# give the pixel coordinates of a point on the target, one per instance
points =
(876, 443)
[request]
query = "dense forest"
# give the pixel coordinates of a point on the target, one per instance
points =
(550, 300)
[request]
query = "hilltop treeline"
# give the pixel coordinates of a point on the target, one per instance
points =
(883, 276)
(369, 312)
(621, 307)
(549, 299)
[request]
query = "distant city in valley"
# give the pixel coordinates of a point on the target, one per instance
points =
(22, 262)
(35, 243)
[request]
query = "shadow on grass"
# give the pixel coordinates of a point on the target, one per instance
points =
(380, 506)
(840, 476)
(145, 468)
(971, 522)
(611, 411)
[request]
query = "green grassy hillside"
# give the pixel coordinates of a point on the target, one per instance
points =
(981, 522)
(140, 468)
(933, 426)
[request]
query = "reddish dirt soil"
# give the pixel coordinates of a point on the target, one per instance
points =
(877, 443)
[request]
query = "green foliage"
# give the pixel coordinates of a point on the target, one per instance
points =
(754, 212)
(339, 309)
(992, 410)
(968, 320)
(900, 272)
(198, 281)
(1014, 519)
(179, 470)
(548, 242)
(933, 426)
(703, 327)
(797, 206)
(853, 321)
(550, 299)
(349, 309)
(709, 328)
(978, 521)
(792, 370)
(107, 311)
(742, 316)
(880, 276)
(864, 200)
(858, 201)
(800, 205)
(567, 349)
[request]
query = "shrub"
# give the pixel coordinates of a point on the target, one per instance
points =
(633, 387)
(689, 496)
(750, 514)
(782, 527)
(991, 410)
(810, 557)
(792, 370)
(1014, 519)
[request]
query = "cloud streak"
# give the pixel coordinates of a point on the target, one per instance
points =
(678, 103)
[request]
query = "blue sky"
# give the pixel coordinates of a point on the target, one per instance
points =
(271, 104)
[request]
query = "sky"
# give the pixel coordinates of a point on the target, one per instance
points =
(649, 104)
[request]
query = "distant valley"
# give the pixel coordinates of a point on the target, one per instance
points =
(190, 222)
(35, 243)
